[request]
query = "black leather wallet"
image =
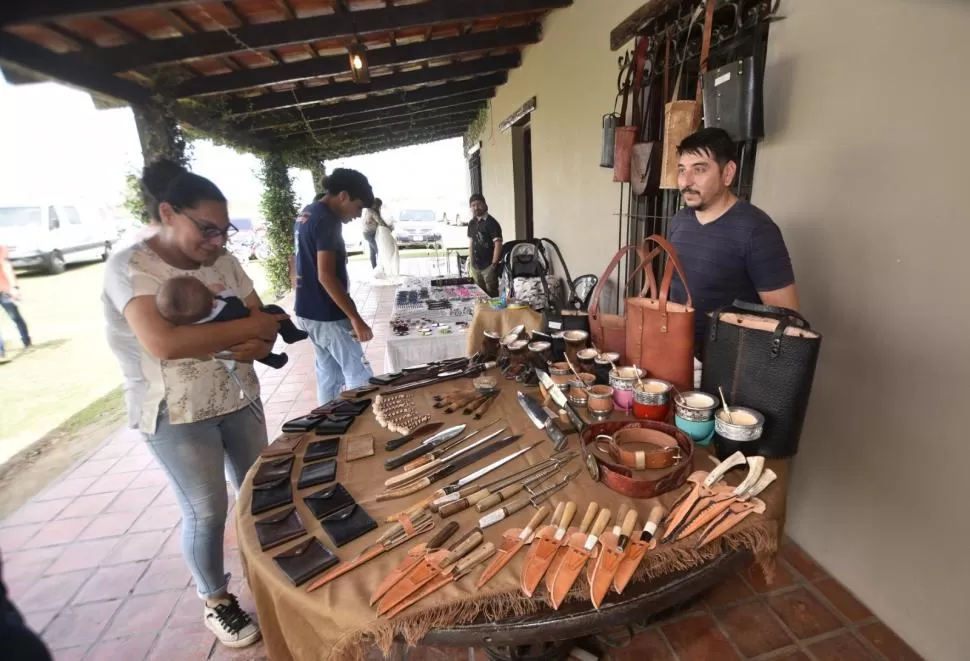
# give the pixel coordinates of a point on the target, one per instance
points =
(348, 524)
(305, 560)
(279, 528)
(318, 473)
(386, 379)
(301, 424)
(324, 449)
(272, 495)
(335, 425)
(272, 470)
(325, 502)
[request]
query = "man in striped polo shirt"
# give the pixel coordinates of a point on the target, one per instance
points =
(729, 248)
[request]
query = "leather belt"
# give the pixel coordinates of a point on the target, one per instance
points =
(665, 453)
(621, 478)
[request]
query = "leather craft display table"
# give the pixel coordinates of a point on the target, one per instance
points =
(334, 620)
(499, 321)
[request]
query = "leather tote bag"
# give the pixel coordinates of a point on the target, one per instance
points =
(608, 331)
(681, 118)
(659, 332)
(764, 357)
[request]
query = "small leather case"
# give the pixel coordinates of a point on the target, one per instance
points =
(305, 560)
(335, 425)
(318, 473)
(272, 495)
(272, 470)
(348, 524)
(324, 449)
(342, 407)
(284, 444)
(359, 447)
(302, 424)
(279, 528)
(325, 502)
(385, 379)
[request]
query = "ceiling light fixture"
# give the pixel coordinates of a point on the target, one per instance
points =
(358, 63)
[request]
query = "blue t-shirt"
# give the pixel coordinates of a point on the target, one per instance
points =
(318, 229)
(733, 257)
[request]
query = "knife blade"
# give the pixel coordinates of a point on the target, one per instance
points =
(413, 557)
(505, 493)
(716, 507)
(513, 540)
(427, 568)
(579, 547)
(438, 453)
(426, 428)
(417, 472)
(686, 505)
(451, 575)
(455, 486)
(534, 499)
(542, 420)
(612, 548)
(426, 445)
(543, 549)
(584, 527)
(559, 398)
(637, 549)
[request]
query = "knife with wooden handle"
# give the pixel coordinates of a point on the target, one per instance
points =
(716, 508)
(426, 428)
(580, 546)
(428, 444)
(584, 527)
(439, 460)
(513, 540)
(683, 508)
(612, 547)
(501, 495)
(411, 559)
(638, 548)
(543, 548)
(455, 573)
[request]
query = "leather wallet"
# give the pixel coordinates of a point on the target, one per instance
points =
(342, 407)
(348, 524)
(325, 502)
(305, 560)
(279, 528)
(283, 444)
(359, 447)
(272, 495)
(318, 473)
(334, 425)
(272, 470)
(324, 449)
(302, 424)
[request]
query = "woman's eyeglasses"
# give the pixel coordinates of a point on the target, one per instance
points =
(210, 231)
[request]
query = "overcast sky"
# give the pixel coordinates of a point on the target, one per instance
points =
(55, 145)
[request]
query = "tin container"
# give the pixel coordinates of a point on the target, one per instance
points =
(587, 359)
(695, 406)
(622, 380)
(560, 369)
(651, 400)
(541, 352)
(578, 387)
(737, 431)
(600, 402)
(490, 345)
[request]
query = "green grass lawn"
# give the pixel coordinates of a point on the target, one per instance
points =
(71, 367)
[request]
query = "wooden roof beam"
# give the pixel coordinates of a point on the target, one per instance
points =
(379, 142)
(13, 13)
(393, 115)
(303, 97)
(463, 119)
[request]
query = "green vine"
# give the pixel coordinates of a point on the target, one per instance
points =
(477, 128)
(278, 205)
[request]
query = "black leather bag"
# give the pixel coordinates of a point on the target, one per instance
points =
(279, 528)
(305, 560)
(272, 495)
(318, 473)
(764, 358)
(324, 449)
(348, 524)
(733, 99)
(272, 470)
(325, 502)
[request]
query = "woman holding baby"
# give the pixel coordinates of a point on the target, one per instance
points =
(196, 414)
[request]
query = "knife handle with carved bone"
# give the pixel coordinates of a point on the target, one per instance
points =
(626, 529)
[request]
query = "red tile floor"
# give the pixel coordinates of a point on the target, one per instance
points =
(93, 563)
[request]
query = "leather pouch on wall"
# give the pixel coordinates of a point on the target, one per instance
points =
(272, 470)
(681, 118)
(334, 425)
(348, 524)
(764, 357)
(279, 528)
(733, 99)
(318, 473)
(325, 502)
(641, 161)
(324, 449)
(305, 560)
(626, 136)
(272, 495)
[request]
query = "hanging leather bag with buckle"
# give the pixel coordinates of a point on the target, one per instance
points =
(659, 332)
(764, 358)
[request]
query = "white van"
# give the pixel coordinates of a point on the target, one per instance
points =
(49, 236)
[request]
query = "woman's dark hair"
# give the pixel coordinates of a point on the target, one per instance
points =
(352, 181)
(167, 181)
(711, 142)
(378, 203)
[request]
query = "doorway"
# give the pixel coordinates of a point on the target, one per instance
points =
(522, 178)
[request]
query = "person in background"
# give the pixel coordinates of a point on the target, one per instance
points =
(372, 220)
(729, 248)
(9, 295)
(323, 303)
(201, 421)
(484, 245)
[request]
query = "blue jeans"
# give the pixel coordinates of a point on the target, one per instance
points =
(371, 240)
(197, 457)
(11, 308)
(339, 357)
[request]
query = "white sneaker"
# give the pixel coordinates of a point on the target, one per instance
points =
(230, 623)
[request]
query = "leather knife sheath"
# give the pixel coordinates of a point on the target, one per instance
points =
(607, 562)
(409, 561)
(420, 573)
(539, 557)
(557, 559)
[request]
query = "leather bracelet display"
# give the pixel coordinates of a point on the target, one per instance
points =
(663, 453)
(622, 479)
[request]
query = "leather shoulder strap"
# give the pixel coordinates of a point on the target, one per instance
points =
(594, 305)
(673, 264)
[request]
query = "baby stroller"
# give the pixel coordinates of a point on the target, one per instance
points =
(528, 276)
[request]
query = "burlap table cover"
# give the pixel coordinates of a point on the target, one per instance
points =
(335, 621)
(499, 321)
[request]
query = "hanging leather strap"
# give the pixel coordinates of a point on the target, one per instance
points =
(705, 46)
(673, 265)
(594, 304)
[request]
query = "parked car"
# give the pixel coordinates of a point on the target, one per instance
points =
(50, 236)
(417, 227)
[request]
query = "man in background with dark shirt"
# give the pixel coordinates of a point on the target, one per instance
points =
(729, 248)
(484, 245)
(323, 303)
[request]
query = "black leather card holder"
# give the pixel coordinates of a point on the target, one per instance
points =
(325, 502)
(305, 560)
(348, 524)
(272, 470)
(334, 425)
(324, 449)
(320, 472)
(279, 528)
(272, 495)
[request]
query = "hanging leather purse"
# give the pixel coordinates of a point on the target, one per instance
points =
(733, 99)
(624, 136)
(681, 118)
(659, 332)
(642, 172)
(764, 358)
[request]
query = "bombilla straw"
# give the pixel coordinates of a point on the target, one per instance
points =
(578, 376)
(724, 403)
(636, 370)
